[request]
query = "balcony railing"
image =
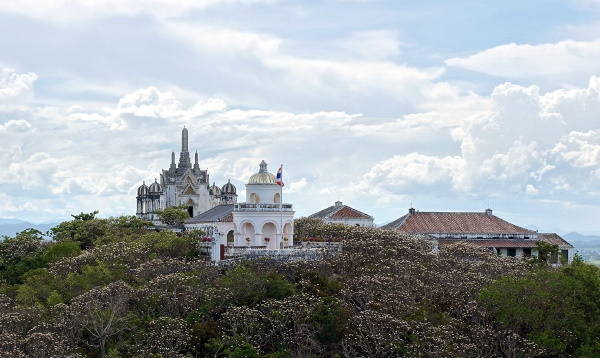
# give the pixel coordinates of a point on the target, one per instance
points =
(262, 207)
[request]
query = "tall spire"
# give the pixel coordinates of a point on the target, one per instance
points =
(196, 165)
(184, 140)
(184, 157)
(172, 167)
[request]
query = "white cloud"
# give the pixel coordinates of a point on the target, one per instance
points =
(524, 143)
(16, 125)
(525, 61)
(149, 102)
(531, 190)
(296, 186)
(410, 173)
(517, 143)
(362, 80)
(580, 150)
(16, 86)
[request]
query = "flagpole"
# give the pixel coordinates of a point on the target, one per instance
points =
(281, 205)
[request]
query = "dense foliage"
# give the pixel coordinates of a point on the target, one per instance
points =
(118, 288)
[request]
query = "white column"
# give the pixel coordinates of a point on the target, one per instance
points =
(257, 239)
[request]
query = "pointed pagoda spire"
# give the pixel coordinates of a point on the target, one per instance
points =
(196, 165)
(184, 140)
(172, 167)
(184, 157)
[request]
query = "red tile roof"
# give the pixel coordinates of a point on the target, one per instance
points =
(555, 239)
(340, 212)
(455, 223)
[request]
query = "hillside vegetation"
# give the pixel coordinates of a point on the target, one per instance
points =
(117, 288)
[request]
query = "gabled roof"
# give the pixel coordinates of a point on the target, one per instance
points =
(220, 213)
(340, 212)
(555, 239)
(484, 223)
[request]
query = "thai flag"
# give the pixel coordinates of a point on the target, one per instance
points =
(280, 176)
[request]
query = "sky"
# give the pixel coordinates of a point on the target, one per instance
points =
(447, 105)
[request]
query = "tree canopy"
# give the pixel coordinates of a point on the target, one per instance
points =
(114, 288)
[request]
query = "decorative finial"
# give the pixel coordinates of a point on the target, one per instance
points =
(263, 167)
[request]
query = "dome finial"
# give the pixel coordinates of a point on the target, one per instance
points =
(263, 176)
(263, 167)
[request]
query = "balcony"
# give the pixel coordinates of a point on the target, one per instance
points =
(262, 207)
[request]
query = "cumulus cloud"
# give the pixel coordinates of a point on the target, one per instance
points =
(16, 86)
(16, 125)
(525, 143)
(297, 186)
(516, 142)
(149, 102)
(412, 172)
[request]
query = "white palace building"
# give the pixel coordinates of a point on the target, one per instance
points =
(261, 222)
(264, 223)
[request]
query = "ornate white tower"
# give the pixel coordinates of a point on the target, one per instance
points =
(263, 220)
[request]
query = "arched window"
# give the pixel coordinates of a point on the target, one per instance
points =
(254, 198)
(277, 198)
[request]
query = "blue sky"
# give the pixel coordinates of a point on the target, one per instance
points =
(445, 105)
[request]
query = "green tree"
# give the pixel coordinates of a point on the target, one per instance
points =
(557, 308)
(59, 250)
(174, 215)
(84, 229)
(547, 253)
(20, 254)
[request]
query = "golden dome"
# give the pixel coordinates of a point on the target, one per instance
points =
(263, 176)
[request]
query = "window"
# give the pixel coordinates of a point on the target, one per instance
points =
(565, 254)
(511, 251)
(527, 252)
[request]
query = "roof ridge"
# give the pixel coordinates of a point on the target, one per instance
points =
(358, 211)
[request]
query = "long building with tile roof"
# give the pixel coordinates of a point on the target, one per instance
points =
(343, 214)
(478, 228)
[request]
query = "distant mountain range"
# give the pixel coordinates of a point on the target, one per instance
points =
(581, 241)
(9, 227)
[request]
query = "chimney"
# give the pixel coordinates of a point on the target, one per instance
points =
(338, 203)
(488, 211)
(411, 210)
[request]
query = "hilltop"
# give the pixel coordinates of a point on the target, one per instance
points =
(118, 288)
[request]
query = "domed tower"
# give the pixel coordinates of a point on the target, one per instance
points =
(228, 193)
(263, 176)
(263, 220)
(155, 197)
(142, 199)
